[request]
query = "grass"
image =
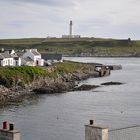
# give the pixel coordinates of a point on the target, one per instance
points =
(23, 74)
(27, 41)
(11, 76)
(92, 46)
(71, 67)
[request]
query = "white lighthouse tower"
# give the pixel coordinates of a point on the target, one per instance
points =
(70, 33)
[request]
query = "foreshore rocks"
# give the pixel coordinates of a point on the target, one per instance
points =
(111, 83)
(62, 83)
(85, 87)
(12, 96)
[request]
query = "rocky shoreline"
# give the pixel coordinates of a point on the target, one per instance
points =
(63, 83)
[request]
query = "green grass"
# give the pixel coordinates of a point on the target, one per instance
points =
(10, 76)
(67, 67)
(71, 67)
(27, 41)
(93, 46)
(24, 74)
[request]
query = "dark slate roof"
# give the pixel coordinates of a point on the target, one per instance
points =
(20, 53)
(47, 56)
(6, 51)
(1, 57)
(16, 58)
(28, 59)
(14, 55)
(35, 52)
(5, 55)
(25, 60)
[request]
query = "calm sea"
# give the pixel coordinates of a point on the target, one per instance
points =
(63, 116)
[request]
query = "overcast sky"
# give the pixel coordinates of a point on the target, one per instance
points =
(96, 18)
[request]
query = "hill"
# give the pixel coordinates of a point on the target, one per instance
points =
(77, 47)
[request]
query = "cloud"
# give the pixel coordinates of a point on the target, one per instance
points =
(27, 18)
(53, 3)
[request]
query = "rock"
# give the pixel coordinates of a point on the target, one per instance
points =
(61, 83)
(85, 87)
(112, 83)
(56, 87)
(43, 90)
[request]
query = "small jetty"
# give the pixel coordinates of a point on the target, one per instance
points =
(111, 67)
(114, 67)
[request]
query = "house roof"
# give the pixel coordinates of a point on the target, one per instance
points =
(14, 55)
(1, 56)
(35, 52)
(5, 55)
(20, 53)
(6, 51)
(47, 56)
(28, 59)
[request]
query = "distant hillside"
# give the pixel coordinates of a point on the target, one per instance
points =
(77, 47)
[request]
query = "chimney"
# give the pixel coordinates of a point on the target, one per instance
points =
(8, 132)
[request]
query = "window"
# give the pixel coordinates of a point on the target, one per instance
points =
(11, 62)
(3, 62)
(16, 63)
(8, 61)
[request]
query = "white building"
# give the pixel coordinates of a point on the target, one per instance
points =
(17, 60)
(11, 53)
(6, 60)
(27, 62)
(35, 56)
(71, 36)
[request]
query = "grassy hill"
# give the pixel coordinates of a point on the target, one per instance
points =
(77, 47)
(12, 76)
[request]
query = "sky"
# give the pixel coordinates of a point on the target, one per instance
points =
(118, 19)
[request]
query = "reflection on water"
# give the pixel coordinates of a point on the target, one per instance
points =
(23, 101)
(62, 116)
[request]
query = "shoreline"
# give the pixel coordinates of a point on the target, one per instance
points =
(46, 85)
(103, 56)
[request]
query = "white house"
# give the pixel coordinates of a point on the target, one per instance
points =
(6, 59)
(35, 56)
(16, 58)
(27, 62)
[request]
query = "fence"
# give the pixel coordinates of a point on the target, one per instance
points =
(98, 132)
(128, 133)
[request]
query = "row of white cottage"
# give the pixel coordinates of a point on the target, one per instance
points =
(31, 58)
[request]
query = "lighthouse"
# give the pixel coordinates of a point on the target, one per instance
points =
(70, 33)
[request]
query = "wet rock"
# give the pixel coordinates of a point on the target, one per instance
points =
(112, 83)
(85, 87)
(61, 83)
(43, 90)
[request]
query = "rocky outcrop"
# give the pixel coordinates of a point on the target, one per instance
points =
(111, 83)
(66, 82)
(84, 87)
(61, 83)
